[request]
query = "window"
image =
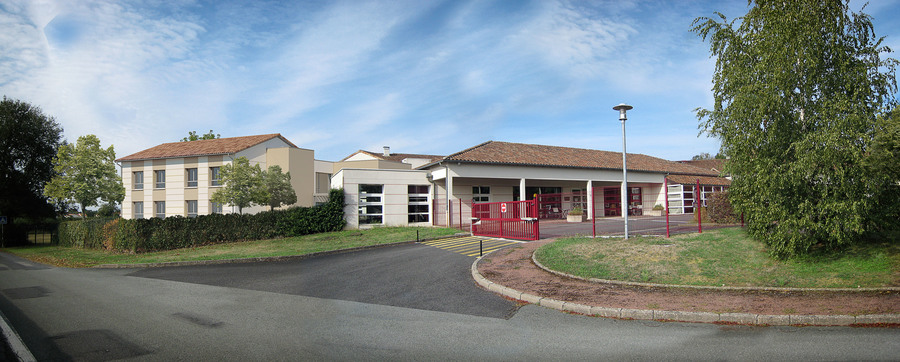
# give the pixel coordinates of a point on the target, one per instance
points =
(215, 208)
(214, 178)
(481, 193)
(160, 179)
(191, 208)
(138, 178)
(191, 176)
(371, 204)
(323, 182)
(418, 203)
(138, 210)
(160, 209)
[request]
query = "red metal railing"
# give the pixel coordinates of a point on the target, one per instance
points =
(510, 219)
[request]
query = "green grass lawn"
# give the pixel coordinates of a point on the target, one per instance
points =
(720, 257)
(301, 245)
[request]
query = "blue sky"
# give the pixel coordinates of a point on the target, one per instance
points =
(430, 77)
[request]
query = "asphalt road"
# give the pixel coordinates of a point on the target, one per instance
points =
(256, 312)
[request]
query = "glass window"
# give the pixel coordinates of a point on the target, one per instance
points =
(160, 179)
(160, 209)
(215, 208)
(138, 210)
(191, 174)
(371, 204)
(214, 178)
(481, 193)
(417, 209)
(138, 178)
(191, 208)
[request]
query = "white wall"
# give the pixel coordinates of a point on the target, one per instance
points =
(396, 197)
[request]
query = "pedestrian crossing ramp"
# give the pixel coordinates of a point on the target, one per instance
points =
(470, 245)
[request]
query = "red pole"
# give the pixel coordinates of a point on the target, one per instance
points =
(666, 190)
(537, 223)
(697, 204)
(460, 214)
(594, 212)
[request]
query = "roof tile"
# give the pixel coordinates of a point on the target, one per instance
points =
(219, 146)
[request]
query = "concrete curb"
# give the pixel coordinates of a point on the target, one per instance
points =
(15, 343)
(261, 259)
(681, 316)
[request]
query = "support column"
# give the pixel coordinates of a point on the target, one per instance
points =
(449, 183)
(522, 189)
(590, 199)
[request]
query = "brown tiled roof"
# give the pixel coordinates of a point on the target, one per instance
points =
(704, 180)
(219, 146)
(396, 157)
(717, 164)
(493, 152)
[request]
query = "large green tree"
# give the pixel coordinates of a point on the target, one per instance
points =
(798, 88)
(278, 187)
(28, 143)
(244, 185)
(85, 174)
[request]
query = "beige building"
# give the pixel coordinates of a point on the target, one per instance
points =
(179, 178)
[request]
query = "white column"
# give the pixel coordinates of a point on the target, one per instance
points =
(522, 189)
(590, 199)
(449, 183)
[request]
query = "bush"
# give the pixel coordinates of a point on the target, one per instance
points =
(719, 209)
(137, 235)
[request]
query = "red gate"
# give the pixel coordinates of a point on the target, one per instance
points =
(511, 219)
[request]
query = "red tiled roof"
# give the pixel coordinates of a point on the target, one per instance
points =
(717, 164)
(396, 157)
(219, 146)
(493, 152)
(704, 180)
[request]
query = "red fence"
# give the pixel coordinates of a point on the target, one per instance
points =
(459, 212)
(511, 219)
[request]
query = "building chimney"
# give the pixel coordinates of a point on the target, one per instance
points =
(387, 151)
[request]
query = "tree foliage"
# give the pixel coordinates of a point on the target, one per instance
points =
(28, 143)
(193, 136)
(278, 187)
(85, 173)
(798, 88)
(244, 185)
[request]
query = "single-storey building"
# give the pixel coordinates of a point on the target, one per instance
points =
(442, 191)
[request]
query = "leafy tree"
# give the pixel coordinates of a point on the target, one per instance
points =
(108, 210)
(192, 136)
(85, 173)
(278, 187)
(243, 185)
(28, 140)
(702, 156)
(798, 87)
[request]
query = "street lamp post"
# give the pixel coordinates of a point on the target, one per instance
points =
(622, 108)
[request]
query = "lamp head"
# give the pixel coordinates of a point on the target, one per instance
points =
(622, 108)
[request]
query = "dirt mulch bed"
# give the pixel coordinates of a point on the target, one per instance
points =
(513, 267)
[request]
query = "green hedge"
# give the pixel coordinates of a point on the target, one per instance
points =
(138, 235)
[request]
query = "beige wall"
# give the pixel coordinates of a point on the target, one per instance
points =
(371, 164)
(299, 162)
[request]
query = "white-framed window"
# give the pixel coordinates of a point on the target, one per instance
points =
(371, 204)
(418, 203)
(160, 209)
(159, 179)
(481, 193)
(214, 178)
(138, 180)
(215, 207)
(137, 210)
(191, 177)
(191, 208)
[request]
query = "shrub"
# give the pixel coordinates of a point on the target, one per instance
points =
(720, 210)
(138, 235)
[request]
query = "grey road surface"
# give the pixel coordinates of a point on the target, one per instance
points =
(164, 314)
